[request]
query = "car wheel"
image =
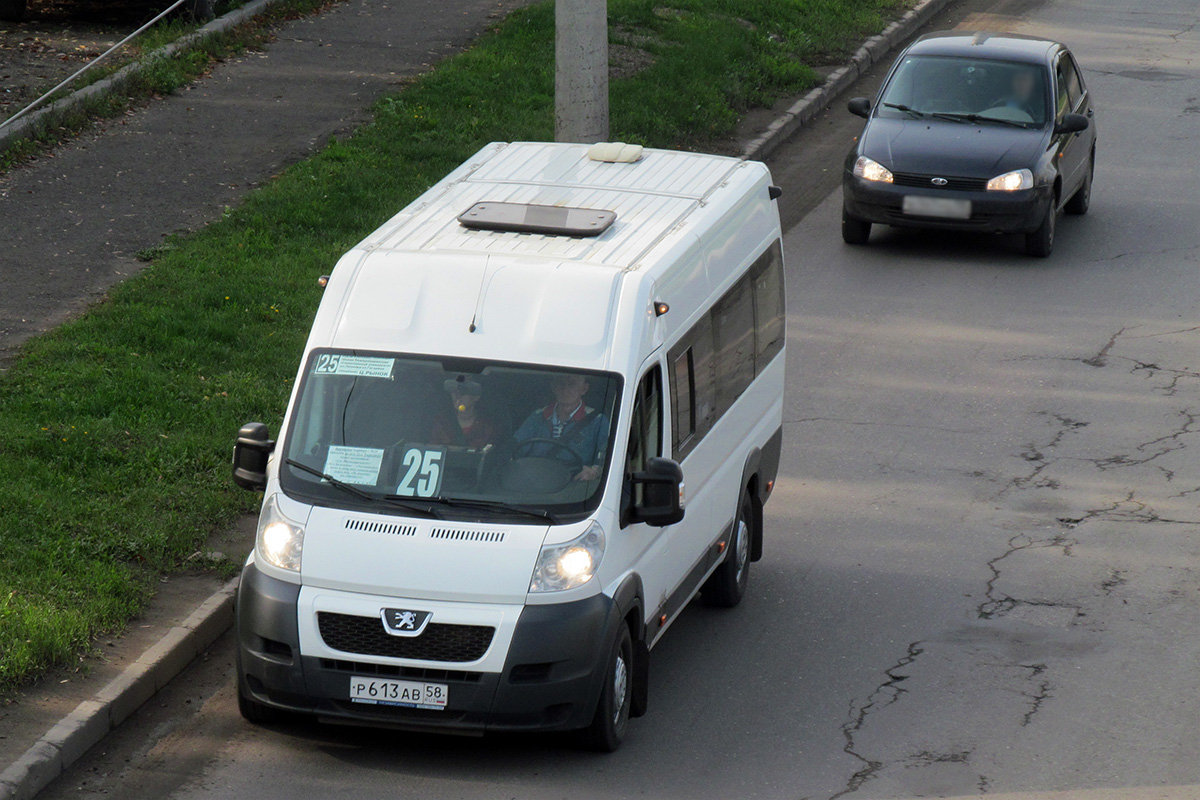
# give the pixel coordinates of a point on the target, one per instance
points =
(727, 585)
(1040, 243)
(1082, 199)
(12, 10)
(854, 231)
(612, 710)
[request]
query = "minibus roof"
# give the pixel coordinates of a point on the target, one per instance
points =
(650, 197)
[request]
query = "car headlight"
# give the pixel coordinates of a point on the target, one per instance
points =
(870, 170)
(1013, 181)
(565, 566)
(280, 541)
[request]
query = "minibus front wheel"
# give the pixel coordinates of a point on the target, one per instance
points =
(612, 711)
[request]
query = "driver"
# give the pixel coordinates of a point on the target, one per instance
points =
(582, 430)
(1022, 91)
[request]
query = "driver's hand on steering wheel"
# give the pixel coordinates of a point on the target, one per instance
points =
(588, 474)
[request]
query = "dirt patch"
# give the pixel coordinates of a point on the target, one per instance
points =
(58, 37)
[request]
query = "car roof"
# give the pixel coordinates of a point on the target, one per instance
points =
(984, 44)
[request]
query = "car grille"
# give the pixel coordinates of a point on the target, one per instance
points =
(438, 642)
(926, 182)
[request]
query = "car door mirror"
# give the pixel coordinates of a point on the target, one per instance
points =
(860, 107)
(660, 500)
(250, 454)
(1071, 123)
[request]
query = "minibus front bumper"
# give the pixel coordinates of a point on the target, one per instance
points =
(551, 678)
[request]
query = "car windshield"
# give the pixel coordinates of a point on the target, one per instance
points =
(968, 89)
(449, 437)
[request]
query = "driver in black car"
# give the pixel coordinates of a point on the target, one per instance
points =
(569, 421)
(1022, 93)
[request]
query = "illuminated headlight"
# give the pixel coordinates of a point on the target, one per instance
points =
(280, 541)
(871, 170)
(565, 566)
(1011, 181)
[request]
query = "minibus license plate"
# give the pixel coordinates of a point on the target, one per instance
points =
(943, 207)
(411, 694)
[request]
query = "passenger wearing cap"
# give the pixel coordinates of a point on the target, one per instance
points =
(467, 427)
(570, 421)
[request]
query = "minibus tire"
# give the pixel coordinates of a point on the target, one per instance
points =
(255, 712)
(252, 710)
(727, 585)
(611, 720)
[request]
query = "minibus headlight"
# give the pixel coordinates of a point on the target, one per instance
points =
(565, 566)
(280, 540)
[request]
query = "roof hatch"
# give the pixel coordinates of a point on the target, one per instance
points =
(528, 218)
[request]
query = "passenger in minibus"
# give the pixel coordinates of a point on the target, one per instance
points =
(466, 425)
(568, 420)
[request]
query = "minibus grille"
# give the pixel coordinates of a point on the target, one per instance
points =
(350, 633)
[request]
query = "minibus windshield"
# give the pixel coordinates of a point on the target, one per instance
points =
(449, 438)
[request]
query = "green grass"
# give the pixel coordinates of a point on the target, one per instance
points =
(116, 429)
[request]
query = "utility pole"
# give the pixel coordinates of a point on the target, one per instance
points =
(581, 71)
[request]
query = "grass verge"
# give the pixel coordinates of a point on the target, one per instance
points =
(115, 429)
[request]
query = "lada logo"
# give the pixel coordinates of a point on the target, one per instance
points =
(939, 181)
(403, 621)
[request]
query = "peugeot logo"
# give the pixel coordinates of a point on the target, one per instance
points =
(404, 622)
(939, 181)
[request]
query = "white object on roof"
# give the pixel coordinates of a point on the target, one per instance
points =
(615, 152)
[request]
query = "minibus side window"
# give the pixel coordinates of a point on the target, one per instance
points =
(693, 391)
(733, 343)
(767, 275)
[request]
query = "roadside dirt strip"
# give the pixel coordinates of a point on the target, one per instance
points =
(87, 725)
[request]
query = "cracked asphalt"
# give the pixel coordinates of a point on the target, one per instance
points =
(981, 574)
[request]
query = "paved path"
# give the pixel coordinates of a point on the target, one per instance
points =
(73, 223)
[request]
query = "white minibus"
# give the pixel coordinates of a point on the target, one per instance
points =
(538, 412)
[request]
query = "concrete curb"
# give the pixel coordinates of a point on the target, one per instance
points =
(27, 127)
(873, 50)
(92, 720)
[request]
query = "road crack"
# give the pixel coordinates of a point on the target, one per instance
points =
(884, 695)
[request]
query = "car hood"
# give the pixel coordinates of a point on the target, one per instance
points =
(953, 149)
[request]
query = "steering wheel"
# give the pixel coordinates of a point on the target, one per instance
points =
(576, 462)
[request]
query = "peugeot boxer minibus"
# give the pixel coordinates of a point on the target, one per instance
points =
(539, 411)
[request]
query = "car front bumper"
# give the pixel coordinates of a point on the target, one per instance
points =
(991, 212)
(551, 678)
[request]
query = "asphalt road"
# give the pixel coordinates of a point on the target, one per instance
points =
(981, 569)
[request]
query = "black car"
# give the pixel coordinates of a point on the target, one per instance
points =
(973, 132)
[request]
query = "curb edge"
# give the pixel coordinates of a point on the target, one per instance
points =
(93, 719)
(29, 126)
(872, 51)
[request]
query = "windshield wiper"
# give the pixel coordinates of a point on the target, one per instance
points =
(498, 505)
(354, 490)
(981, 118)
(912, 112)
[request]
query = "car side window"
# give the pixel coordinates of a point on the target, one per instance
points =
(1074, 82)
(1062, 103)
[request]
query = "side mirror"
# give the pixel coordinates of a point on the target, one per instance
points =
(860, 107)
(254, 446)
(658, 493)
(1071, 123)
